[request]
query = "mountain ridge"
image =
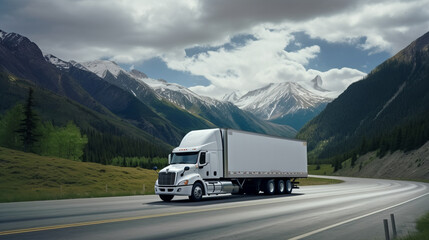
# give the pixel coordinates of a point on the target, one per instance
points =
(386, 111)
(219, 113)
(286, 103)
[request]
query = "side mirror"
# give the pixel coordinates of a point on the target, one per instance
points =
(169, 159)
(184, 170)
(155, 168)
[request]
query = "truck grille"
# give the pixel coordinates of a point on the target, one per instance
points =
(166, 178)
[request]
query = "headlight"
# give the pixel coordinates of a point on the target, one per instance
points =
(184, 182)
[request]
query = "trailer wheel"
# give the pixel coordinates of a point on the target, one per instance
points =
(166, 198)
(289, 186)
(270, 187)
(197, 192)
(281, 187)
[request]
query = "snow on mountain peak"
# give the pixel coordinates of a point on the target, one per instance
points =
(57, 62)
(2, 34)
(278, 99)
(232, 97)
(13, 38)
(101, 67)
(137, 74)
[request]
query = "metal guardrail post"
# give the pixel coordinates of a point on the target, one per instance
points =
(386, 229)
(392, 219)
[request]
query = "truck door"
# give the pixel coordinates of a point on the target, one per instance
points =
(204, 165)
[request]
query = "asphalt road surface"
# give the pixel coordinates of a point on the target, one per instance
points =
(354, 209)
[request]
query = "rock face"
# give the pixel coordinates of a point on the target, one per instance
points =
(409, 165)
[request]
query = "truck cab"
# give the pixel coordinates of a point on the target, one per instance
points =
(198, 159)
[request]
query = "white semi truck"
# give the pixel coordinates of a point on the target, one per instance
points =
(219, 161)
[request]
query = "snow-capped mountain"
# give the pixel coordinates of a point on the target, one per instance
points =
(57, 62)
(286, 103)
(101, 67)
(176, 93)
(14, 39)
(231, 97)
(114, 74)
(219, 113)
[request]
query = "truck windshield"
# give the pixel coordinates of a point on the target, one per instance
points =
(184, 158)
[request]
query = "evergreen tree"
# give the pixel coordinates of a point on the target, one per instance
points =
(28, 125)
(9, 126)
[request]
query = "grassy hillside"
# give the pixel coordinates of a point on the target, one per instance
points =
(29, 177)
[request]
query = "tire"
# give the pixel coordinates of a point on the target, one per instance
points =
(289, 186)
(197, 192)
(270, 187)
(281, 187)
(166, 198)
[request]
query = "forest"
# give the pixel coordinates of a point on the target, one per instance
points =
(22, 129)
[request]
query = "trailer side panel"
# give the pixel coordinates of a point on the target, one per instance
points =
(252, 155)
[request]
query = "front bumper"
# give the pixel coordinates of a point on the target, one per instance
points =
(173, 190)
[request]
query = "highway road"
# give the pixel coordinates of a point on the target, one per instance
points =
(354, 209)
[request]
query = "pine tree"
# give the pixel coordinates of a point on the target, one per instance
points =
(9, 126)
(28, 125)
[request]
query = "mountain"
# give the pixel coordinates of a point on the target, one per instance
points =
(231, 97)
(60, 97)
(285, 103)
(153, 92)
(386, 111)
(221, 113)
(122, 103)
(177, 117)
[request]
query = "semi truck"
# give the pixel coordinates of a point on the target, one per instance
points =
(221, 161)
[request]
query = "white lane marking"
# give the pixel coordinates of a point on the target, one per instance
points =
(353, 219)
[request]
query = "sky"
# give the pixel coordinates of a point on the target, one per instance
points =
(216, 47)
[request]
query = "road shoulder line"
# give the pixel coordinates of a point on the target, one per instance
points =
(353, 219)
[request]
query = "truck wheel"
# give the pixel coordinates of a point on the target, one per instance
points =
(288, 186)
(166, 198)
(281, 187)
(270, 187)
(197, 192)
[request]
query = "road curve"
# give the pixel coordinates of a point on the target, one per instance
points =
(354, 209)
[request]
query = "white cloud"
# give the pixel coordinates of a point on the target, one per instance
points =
(258, 63)
(131, 31)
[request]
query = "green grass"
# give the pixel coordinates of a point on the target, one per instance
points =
(325, 169)
(422, 228)
(317, 181)
(29, 177)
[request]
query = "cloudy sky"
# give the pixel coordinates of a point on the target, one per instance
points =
(215, 47)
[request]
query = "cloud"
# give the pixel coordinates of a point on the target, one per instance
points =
(132, 31)
(260, 61)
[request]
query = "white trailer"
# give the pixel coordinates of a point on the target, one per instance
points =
(218, 161)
